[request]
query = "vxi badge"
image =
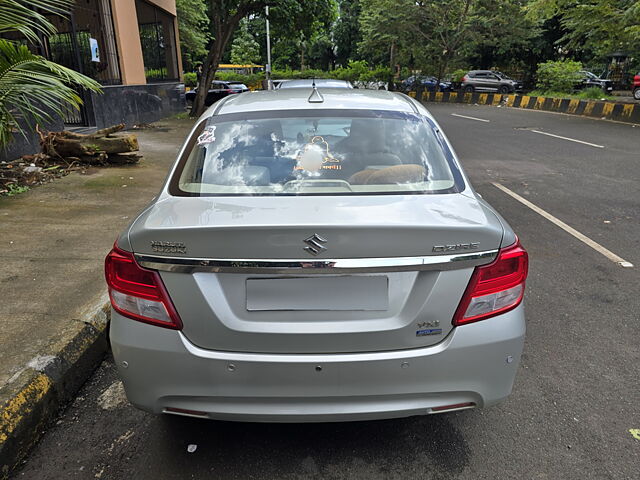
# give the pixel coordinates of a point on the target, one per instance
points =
(456, 247)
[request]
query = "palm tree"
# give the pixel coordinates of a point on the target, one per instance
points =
(33, 89)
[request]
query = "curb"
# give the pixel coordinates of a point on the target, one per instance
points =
(618, 111)
(35, 397)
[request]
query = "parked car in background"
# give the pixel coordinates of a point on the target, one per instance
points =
(518, 85)
(319, 82)
(590, 80)
(488, 81)
(428, 83)
(218, 90)
(276, 83)
(316, 261)
(239, 86)
(636, 86)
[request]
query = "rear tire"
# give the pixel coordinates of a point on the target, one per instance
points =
(468, 89)
(636, 93)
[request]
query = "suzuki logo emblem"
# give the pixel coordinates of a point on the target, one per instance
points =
(314, 244)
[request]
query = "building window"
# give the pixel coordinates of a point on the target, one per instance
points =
(86, 42)
(158, 39)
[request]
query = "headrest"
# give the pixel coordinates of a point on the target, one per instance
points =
(397, 174)
(367, 135)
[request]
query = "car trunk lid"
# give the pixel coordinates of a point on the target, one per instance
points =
(316, 274)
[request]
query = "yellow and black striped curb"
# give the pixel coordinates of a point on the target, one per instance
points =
(621, 112)
(32, 400)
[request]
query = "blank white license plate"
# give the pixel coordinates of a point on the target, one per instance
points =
(344, 293)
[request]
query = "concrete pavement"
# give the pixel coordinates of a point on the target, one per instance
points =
(53, 240)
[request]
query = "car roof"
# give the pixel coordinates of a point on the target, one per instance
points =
(297, 99)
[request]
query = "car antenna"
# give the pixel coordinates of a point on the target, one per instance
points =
(315, 96)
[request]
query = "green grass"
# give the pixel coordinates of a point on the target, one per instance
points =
(13, 189)
(181, 116)
(593, 93)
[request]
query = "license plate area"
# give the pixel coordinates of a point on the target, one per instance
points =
(321, 293)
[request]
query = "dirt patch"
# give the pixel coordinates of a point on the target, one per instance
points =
(19, 176)
(151, 126)
(65, 152)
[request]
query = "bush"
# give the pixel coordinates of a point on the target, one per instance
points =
(289, 74)
(560, 76)
(190, 79)
(353, 72)
(378, 74)
(593, 93)
(356, 71)
(252, 80)
(458, 74)
(586, 94)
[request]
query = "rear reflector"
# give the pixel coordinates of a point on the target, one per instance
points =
(455, 406)
(138, 293)
(184, 411)
(495, 288)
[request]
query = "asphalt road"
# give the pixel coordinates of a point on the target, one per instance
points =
(576, 395)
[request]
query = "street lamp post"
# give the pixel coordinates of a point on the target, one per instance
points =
(268, 69)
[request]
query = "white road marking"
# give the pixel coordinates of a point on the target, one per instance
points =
(567, 138)
(470, 118)
(583, 238)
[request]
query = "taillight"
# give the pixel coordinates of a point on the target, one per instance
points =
(495, 288)
(138, 293)
(465, 79)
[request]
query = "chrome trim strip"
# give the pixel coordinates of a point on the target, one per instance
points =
(323, 358)
(314, 266)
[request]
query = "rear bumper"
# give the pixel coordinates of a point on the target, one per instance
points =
(475, 363)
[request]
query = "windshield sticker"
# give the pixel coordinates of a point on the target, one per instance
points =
(207, 136)
(315, 156)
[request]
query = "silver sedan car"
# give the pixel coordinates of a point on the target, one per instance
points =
(316, 255)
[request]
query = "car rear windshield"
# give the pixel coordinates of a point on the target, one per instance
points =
(315, 153)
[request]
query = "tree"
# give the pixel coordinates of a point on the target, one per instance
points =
(321, 51)
(559, 76)
(193, 25)
(383, 26)
(428, 31)
(502, 36)
(346, 32)
(593, 27)
(225, 17)
(244, 48)
(33, 89)
(444, 27)
(300, 22)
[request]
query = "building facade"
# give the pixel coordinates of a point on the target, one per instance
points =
(132, 48)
